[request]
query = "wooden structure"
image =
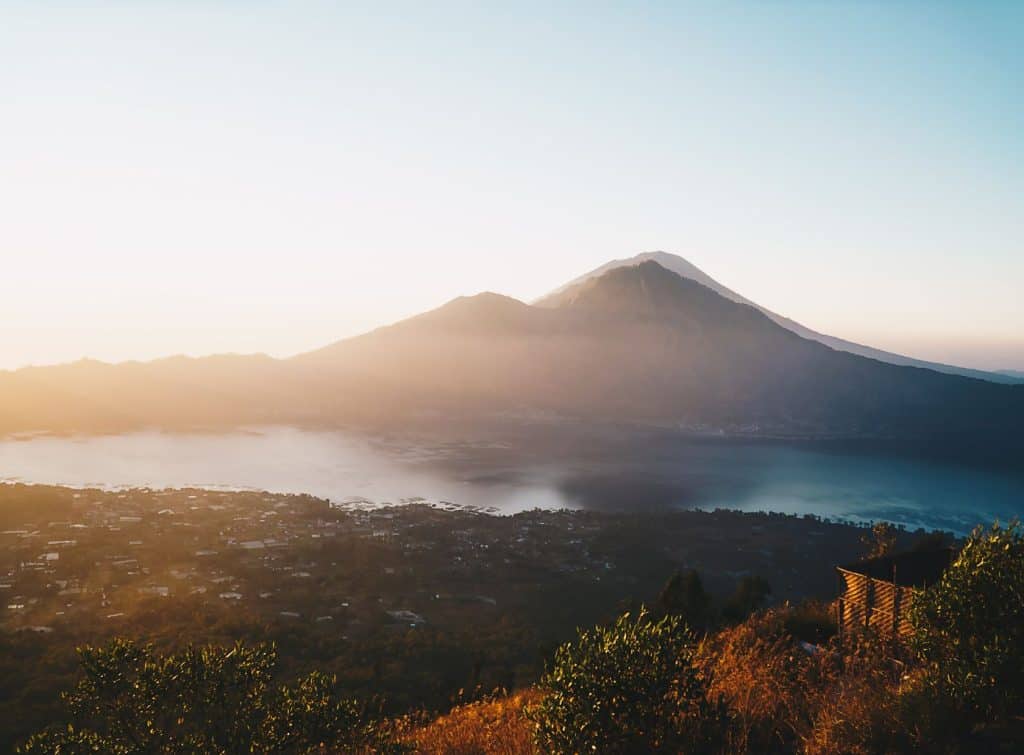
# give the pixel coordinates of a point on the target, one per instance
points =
(876, 593)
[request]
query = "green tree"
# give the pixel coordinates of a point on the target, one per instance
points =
(630, 687)
(969, 627)
(750, 594)
(204, 699)
(880, 541)
(684, 596)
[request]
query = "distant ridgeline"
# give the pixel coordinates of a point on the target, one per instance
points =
(637, 345)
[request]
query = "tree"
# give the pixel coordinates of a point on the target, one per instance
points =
(750, 594)
(629, 687)
(969, 627)
(881, 541)
(204, 699)
(930, 541)
(684, 596)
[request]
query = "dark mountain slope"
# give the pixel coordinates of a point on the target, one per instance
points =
(726, 362)
(642, 344)
(685, 269)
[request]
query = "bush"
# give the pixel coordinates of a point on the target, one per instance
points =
(880, 540)
(969, 628)
(684, 596)
(208, 699)
(750, 595)
(629, 687)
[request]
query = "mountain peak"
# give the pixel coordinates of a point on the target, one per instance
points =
(480, 311)
(650, 290)
(486, 302)
(671, 262)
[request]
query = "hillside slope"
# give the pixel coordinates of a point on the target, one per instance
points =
(685, 269)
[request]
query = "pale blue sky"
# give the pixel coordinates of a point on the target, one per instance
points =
(207, 176)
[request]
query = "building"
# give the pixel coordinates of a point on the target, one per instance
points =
(878, 592)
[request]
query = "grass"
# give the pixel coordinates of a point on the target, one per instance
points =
(496, 726)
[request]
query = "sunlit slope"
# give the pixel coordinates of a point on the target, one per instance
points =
(176, 393)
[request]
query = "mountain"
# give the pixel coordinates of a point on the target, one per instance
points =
(175, 393)
(637, 346)
(684, 268)
(641, 344)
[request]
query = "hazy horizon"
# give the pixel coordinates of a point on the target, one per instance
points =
(198, 178)
(139, 346)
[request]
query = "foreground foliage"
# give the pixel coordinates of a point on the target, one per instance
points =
(782, 681)
(969, 629)
(204, 699)
(629, 687)
(779, 681)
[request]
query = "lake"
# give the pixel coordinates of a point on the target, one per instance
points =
(352, 469)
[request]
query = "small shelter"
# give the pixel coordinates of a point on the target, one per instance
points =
(877, 592)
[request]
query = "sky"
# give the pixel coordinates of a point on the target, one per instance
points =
(209, 176)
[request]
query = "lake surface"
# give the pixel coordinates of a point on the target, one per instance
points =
(351, 469)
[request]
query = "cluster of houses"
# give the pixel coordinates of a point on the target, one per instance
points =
(275, 555)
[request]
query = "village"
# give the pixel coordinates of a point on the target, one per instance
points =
(301, 559)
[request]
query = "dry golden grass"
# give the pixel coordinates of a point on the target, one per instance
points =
(853, 701)
(490, 727)
(842, 698)
(757, 669)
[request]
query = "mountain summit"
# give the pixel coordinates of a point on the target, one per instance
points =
(652, 289)
(685, 269)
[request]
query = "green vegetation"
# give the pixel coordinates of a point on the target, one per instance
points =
(684, 596)
(751, 593)
(880, 541)
(969, 629)
(629, 687)
(210, 699)
(640, 685)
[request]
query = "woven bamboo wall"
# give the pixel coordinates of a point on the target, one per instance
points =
(875, 603)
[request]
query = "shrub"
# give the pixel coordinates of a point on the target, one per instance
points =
(207, 699)
(629, 687)
(750, 594)
(810, 621)
(880, 540)
(969, 627)
(684, 596)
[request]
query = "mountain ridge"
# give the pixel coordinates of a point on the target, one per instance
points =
(686, 269)
(638, 346)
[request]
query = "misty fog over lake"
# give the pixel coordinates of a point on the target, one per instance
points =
(348, 468)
